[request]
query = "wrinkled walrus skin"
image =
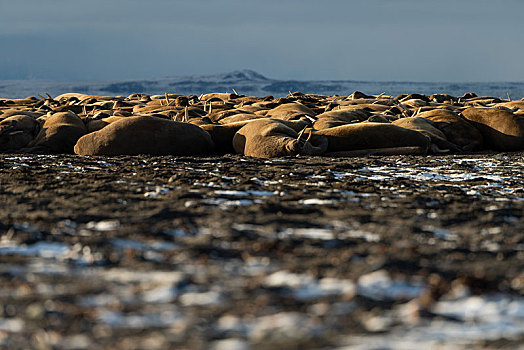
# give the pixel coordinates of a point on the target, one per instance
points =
(59, 134)
(146, 135)
(428, 128)
(268, 138)
(456, 129)
(17, 131)
(501, 129)
(361, 136)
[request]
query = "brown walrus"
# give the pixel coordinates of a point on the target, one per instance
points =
(361, 136)
(501, 130)
(58, 134)
(339, 117)
(146, 135)
(268, 138)
(291, 110)
(456, 129)
(428, 128)
(17, 131)
(222, 134)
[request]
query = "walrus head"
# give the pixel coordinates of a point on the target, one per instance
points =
(15, 135)
(307, 146)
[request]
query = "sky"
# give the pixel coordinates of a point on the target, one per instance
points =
(372, 40)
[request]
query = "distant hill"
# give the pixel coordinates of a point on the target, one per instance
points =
(249, 82)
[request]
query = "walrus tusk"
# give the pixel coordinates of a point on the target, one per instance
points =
(403, 108)
(309, 136)
(236, 93)
(311, 119)
(6, 129)
(301, 133)
(49, 96)
(382, 94)
(186, 117)
(16, 132)
(509, 98)
(42, 97)
(167, 100)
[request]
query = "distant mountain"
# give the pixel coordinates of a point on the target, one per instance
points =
(249, 82)
(246, 80)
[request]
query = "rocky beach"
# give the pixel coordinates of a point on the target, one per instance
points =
(239, 253)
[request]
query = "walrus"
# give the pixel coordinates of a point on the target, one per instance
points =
(222, 96)
(501, 130)
(28, 101)
(216, 116)
(441, 98)
(357, 95)
(403, 98)
(428, 128)
(93, 125)
(146, 135)
(268, 138)
(290, 110)
(239, 117)
(222, 134)
(250, 108)
(58, 134)
(84, 97)
(11, 112)
(456, 129)
(162, 109)
(414, 103)
(377, 107)
(515, 106)
(361, 136)
(17, 131)
(339, 117)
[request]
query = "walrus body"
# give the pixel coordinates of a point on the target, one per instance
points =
(222, 134)
(339, 117)
(428, 128)
(17, 131)
(501, 130)
(146, 135)
(456, 129)
(238, 118)
(59, 134)
(361, 136)
(12, 112)
(268, 138)
(289, 111)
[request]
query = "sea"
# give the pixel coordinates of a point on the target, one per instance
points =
(248, 82)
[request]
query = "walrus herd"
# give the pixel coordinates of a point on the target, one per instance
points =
(265, 127)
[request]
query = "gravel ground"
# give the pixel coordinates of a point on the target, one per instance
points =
(240, 253)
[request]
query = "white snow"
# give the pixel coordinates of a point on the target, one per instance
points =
(379, 285)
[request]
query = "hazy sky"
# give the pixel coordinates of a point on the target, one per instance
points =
(406, 40)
